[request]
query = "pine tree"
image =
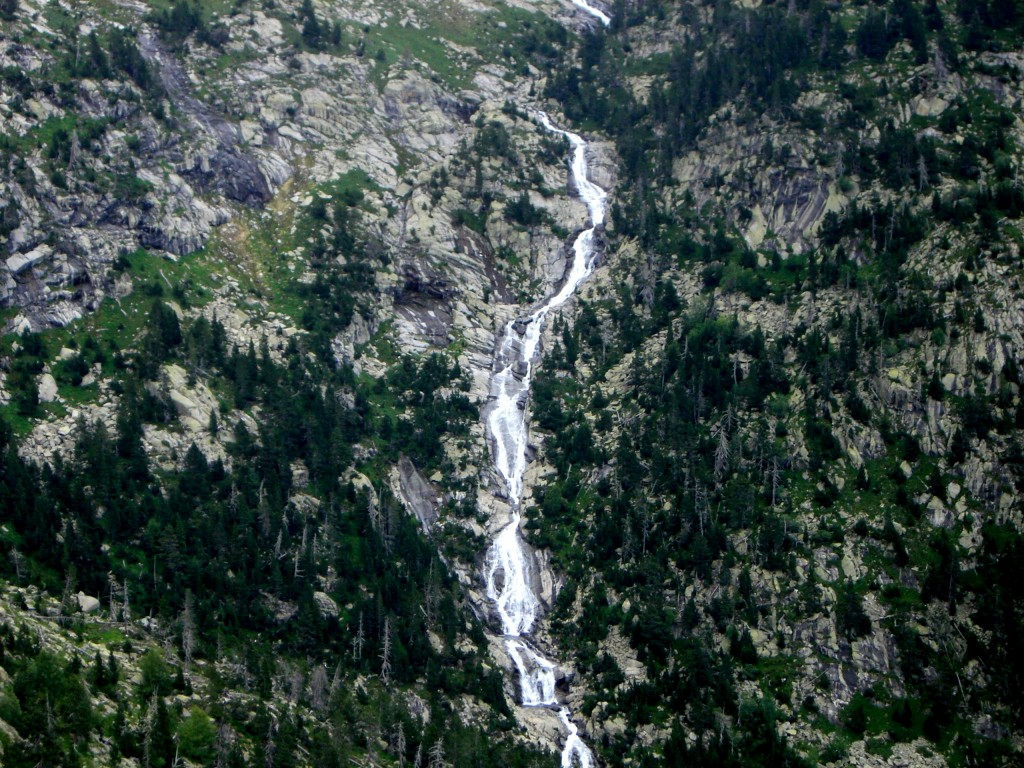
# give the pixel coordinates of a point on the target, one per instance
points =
(99, 672)
(158, 746)
(312, 32)
(97, 65)
(113, 673)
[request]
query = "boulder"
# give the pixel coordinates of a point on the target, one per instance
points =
(419, 496)
(47, 388)
(327, 606)
(19, 262)
(87, 603)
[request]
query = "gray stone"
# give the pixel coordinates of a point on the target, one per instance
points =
(19, 262)
(86, 603)
(419, 496)
(326, 604)
(47, 388)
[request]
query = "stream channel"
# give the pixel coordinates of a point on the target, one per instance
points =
(509, 566)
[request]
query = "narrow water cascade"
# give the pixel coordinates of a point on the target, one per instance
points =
(597, 13)
(509, 570)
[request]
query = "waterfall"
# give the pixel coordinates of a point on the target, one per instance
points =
(508, 566)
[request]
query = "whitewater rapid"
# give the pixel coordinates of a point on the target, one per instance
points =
(509, 566)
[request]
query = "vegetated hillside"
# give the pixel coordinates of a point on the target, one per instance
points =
(264, 600)
(129, 125)
(784, 424)
(251, 254)
(784, 415)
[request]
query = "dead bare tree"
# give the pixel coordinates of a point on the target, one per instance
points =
(436, 755)
(318, 688)
(358, 641)
(17, 559)
(188, 629)
(385, 653)
(399, 744)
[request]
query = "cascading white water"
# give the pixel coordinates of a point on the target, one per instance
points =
(575, 752)
(508, 568)
(597, 13)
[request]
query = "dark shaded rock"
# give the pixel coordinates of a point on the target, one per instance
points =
(420, 497)
(460, 110)
(234, 174)
(426, 300)
(420, 289)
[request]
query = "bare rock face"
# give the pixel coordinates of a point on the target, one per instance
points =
(177, 221)
(236, 175)
(427, 301)
(789, 204)
(419, 497)
(326, 605)
(174, 181)
(220, 164)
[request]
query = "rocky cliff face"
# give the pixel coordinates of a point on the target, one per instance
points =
(216, 177)
(158, 147)
(775, 465)
(803, 208)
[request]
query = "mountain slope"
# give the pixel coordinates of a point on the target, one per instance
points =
(256, 261)
(786, 480)
(200, 488)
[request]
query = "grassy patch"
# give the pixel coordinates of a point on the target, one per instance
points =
(103, 634)
(101, 336)
(428, 45)
(453, 44)
(383, 345)
(880, 747)
(864, 716)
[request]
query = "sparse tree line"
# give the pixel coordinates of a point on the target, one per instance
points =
(234, 544)
(699, 469)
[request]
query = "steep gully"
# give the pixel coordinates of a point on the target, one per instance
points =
(508, 569)
(233, 171)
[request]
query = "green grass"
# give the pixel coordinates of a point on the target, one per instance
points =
(425, 45)
(9, 537)
(488, 37)
(42, 135)
(880, 747)
(864, 715)
(190, 279)
(900, 598)
(103, 634)
(212, 9)
(118, 323)
(653, 65)
(20, 425)
(383, 345)
(228, 61)
(77, 397)
(253, 249)
(352, 184)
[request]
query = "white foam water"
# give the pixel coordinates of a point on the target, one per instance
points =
(509, 566)
(597, 13)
